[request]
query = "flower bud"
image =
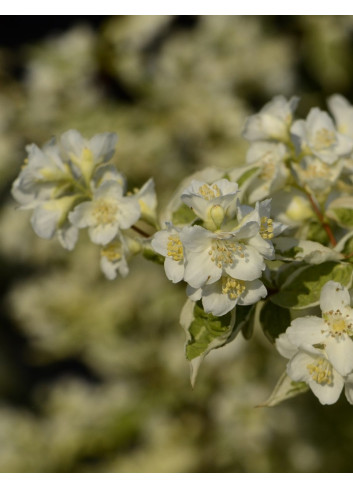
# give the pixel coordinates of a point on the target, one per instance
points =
(217, 215)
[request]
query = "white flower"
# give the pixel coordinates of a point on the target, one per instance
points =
(42, 173)
(315, 369)
(209, 255)
(86, 154)
(315, 175)
(211, 202)
(222, 296)
(317, 135)
(273, 172)
(50, 215)
(238, 251)
(147, 200)
(107, 213)
(333, 332)
(272, 122)
(292, 207)
(114, 258)
(342, 112)
(167, 243)
(269, 228)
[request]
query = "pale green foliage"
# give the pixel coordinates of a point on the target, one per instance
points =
(302, 289)
(285, 389)
(204, 333)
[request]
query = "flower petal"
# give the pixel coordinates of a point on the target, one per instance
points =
(103, 234)
(247, 267)
(174, 269)
(333, 296)
(328, 393)
(307, 331)
(340, 353)
(255, 290)
(215, 302)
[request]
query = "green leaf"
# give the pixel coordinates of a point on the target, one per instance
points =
(344, 217)
(204, 332)
(274, 320)
(345, 246)
(245, 320)
(290, 249)
(285, 389)
(286, 271)
(302, 289)
(183, 216)
(341, 211)
(317, 233)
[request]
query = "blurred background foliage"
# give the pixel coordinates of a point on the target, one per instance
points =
(92, 373)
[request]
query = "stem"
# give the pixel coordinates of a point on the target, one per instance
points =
(143, 233)
(321, 218)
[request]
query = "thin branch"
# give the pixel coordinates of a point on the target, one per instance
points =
(324, 224)
(140, 231)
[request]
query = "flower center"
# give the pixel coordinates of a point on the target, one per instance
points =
(269, 168)
(208, 192)
(175, 248)
(337, 323)
(104, 212)
(222, 252)
(266, 228)
(234, 288)
(316, 170)
(321, 371)
(112, 251)
(324, 138)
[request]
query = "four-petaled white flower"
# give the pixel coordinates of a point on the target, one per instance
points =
(86, 154)
(315, 175)
(211, 202)
(167, 243)
(115, 255)
(315, 369)
(333, 331)
(107, 213)
(209, 255)
(42, 173)
(317, 135)
(272, 122)
(342, 112)
(272, 174)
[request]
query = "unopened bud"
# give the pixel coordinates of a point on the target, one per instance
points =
(217, 215)
(299, 209)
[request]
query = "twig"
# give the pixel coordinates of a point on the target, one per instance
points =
(324, 224)
(143, 233)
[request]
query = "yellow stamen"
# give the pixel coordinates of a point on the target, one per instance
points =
(208, 192)
(234, 288)
(175, 248)
(321, 371)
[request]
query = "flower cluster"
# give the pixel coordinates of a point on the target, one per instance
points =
(219, 235)
(221, 254)
(70, 184)
(292, 159)
(320, 349)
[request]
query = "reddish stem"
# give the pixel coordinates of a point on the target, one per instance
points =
(143, 233)
(324, 224)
